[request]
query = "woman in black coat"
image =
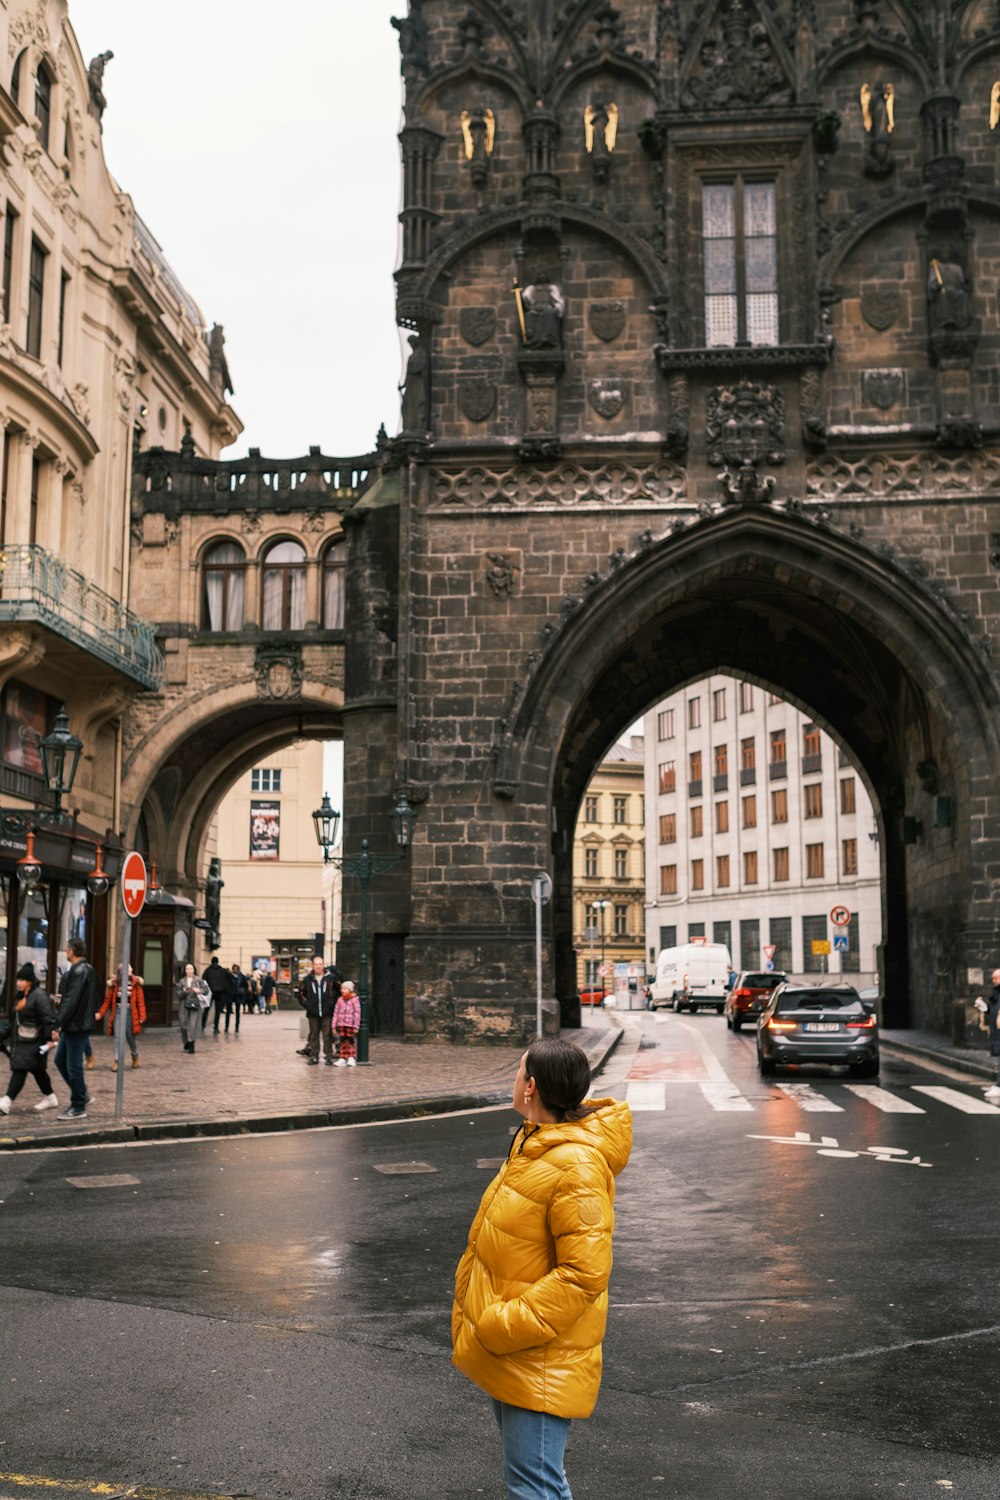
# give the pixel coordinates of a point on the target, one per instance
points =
(991, 1009)
(34, 1023)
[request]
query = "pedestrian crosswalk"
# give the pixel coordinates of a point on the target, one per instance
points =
(653, 1094)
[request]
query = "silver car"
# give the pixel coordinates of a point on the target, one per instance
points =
(818, 1024)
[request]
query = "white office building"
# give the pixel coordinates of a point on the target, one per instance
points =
(758, 828)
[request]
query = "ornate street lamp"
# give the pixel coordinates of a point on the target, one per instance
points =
(60, 752)
(154, 891)
(29, 868)
(99, 881)
(364, 866)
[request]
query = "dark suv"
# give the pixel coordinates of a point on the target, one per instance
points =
(818, 1025)
(750, 994)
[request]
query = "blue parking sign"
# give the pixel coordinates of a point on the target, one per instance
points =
(840, 942)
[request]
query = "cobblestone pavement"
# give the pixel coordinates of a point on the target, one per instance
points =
(254, 1079)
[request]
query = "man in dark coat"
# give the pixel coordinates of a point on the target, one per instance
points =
(74, 1024)
(218, 980)
(239, 989)
(319, 993)
(34, 1021)
(991, 1008)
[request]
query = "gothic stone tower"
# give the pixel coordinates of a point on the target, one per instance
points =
(703, 298)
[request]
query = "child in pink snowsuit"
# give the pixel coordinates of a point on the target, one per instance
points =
(346, 1020)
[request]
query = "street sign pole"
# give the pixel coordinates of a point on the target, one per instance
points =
(124, 999)
(541, 890)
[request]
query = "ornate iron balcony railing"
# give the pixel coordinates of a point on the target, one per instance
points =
(37, 585)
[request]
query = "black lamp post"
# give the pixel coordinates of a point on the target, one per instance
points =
(364, 865)
(602, 907)
(60, 752)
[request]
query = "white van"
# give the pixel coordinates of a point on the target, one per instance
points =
(707, 966)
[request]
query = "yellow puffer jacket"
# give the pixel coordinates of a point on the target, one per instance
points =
(531, 1298)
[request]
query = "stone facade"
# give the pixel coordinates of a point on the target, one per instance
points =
(609, 868)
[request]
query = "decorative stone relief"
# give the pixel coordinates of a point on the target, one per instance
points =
(279, 672)
(314, 521)
(607, 397)
(923, 474)
(501, 574)
(564, 486)
(124, 380)
(880, 305)
(477, 324)
(30, 25)
(745, 427)
(736, 65)
(477, 399)
(881, 388)
(250, 523)
(607, 319)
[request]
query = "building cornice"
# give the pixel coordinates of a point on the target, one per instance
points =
(27, 385)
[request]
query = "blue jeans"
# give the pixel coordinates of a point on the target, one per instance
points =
(69, 1061)
(533, 1448)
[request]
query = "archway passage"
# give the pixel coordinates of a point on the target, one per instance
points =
(877, 662)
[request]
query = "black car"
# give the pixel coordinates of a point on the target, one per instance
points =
(817, 1024)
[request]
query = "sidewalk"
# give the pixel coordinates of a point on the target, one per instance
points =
(929, 1046)
(253, 1081)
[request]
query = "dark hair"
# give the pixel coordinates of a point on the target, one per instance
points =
(562, 1075)
(75, 946)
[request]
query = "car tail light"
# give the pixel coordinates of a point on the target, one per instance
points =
(743, 994)
(774, 1025)
(868, 1024)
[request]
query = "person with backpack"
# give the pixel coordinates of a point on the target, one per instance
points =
(34, 1022)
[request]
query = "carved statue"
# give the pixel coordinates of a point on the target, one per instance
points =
(544, 309)
(213, 900)
(478, 131)
(95, 82)
(416, 387)
(412, 42)
(600, 131)
(947, 295)
(995, 105)
(877, 105)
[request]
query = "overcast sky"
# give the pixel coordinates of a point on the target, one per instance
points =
(259, 145)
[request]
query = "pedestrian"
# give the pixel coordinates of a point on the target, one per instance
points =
(267, 989)
(318, 993)
(257, 992)
(88, 1050)
(193, 999)
(346, 1021)
(135, 1016)
(73, 1023)
(218, 980)
(240, 991)
(990, 1007)
(34, 1023)
(531, 1296)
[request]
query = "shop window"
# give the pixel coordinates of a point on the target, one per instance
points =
(283, 587)
(223, 587)
(781, 937)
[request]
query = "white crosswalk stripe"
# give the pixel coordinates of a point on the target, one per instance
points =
(724, 1096)
(889, 1104)
(806, 1098)
(967, 1103)
(646, 1093)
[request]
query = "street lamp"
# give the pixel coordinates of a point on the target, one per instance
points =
(602, 907)
(364, 865)
(98, 881)
(60, 753)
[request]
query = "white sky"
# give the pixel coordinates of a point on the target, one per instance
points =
(259, 145)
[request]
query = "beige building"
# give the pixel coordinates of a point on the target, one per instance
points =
(609, 880)
(758, 826)
(99, 345)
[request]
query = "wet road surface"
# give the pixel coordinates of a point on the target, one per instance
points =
(803, 1301)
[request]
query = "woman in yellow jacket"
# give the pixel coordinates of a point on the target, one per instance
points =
(531, 1295)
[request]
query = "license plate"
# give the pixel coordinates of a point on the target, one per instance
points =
(821, 1026)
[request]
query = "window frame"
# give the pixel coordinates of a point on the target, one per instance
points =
(739, 177)
(35, 324)
(284, 571)
(226, 570)
(329, 571)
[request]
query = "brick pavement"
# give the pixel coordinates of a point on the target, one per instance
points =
(254, 1080)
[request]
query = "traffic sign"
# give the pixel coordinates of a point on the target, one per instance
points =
(820, 946)
(840, 916)
(134, 883)
(769, 950)
(840, 942)
(769, 966)
(541, 888)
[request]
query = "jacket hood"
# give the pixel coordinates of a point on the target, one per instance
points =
(608, 1127)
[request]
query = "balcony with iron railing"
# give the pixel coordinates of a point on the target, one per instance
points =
(36, 586)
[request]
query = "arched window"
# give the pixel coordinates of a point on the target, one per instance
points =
(224, 571)
(334, 566)
(284, 587)
(15, 80)
(43, 103)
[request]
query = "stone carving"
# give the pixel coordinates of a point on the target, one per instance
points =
(811, 410)
(477, 324)
(881, 388)
(607, 319)
(737, 64)
(314, 521)
(566, 486)
(947, 295)
(600, 131)
(931, 475)
(250, 523)
(416, 386)
(478, 132)
(877, 116)
(29, 26)
(78, 396)
(279, 672)
(678, 422)
(412, 42)
(544, 310)
(541, 405)
(959, 432)
(746, 424)
(501, 574)
(95, 83)
(880, 306)
(607, 397)
(477, 399)
(124, 380)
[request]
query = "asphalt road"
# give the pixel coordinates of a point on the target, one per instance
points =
(804, 1300)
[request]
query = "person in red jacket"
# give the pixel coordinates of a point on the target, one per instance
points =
(346, 1020)
(135, 1016)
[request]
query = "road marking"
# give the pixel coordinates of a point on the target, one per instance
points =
(889, 1104)
(725, 1097)
(646, 1093)
(108, 1180)
(828, 1145)
(489, 1163)
(404, 1168)
(956, 1100)
(102, 1488)
(806, 1097)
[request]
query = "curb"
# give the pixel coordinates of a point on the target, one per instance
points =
(413, 1108)
(963, 1062)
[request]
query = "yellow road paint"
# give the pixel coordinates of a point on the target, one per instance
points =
(99, 1487)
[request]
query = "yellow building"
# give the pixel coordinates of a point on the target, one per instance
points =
(609, 881)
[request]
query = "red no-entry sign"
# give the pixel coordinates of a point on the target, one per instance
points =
(134, 882)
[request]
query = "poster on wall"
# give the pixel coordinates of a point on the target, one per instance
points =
(25, 712)
(265, 829)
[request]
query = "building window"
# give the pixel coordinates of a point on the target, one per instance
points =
(5, 485)
(621, 920)
(847, 802)
(746, 698)
(722, 817)
(667, 776)
(694, 766)
(668, 936)
(63, 288)
(814, 861)
(9, 230)
(740, 246)
(334, 575)
(15, 80)
(621, 864)
(852, 958)
(43, 103)
(284, 587)
(779, 750)
(620, 810)
(36, 299)
(780, 864)
(697, 874)
(812, 757)
(749, 812)
(695, 930)
(721, 758)
(813, 931)
(668, 887)
(722, 932)
(697, 822)
(694, 713)
(849, 856)
(781, 937)
(224, 587)
(590, 863)
(665, 724)
(668, 828)
(718, 705)
(263, 779)
(749, 943)
(722, 870)
(36, 485)
(812, 800)
(590, 809)
(748, 754)
(779, 806)
(750, 867)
